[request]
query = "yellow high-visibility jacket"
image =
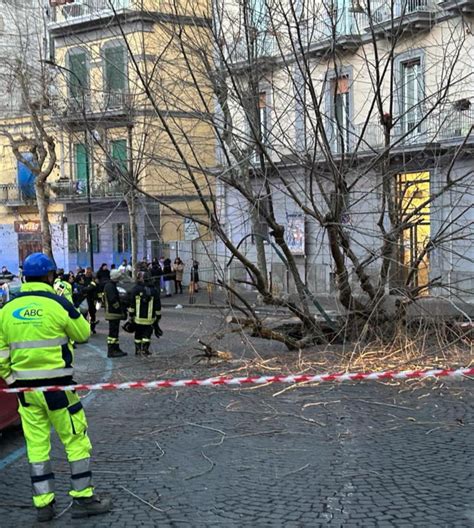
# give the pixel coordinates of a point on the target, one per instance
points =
(36, 329)
(63, 289)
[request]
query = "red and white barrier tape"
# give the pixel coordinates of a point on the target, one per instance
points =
(256, 380)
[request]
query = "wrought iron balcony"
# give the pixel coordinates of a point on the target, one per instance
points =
(445, 127)
(107, 104)
(393, 17)
(76, 191)
(13, 195)
(81, 10)
(458, 6)
(262, 47)
(336, 30)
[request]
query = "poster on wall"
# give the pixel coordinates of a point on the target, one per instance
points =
(191, 230)
(295, 233)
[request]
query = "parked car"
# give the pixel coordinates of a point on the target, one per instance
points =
(8, 409)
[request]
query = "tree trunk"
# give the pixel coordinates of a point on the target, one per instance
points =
(42, 201)
(259, 245)
(131, 200)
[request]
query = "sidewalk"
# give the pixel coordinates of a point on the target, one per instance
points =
(430, 308)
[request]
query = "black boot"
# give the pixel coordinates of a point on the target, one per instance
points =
(146, 349)
(90, 506)
(138, 349)
(46, 513)
(93, 325)
(119, 351)
(113, 351)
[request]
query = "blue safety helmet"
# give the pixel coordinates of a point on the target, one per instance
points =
(38, 265)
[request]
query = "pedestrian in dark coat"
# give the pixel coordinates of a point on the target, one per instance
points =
(195, 275)
(168, 276)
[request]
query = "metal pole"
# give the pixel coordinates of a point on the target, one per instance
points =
(89, 211)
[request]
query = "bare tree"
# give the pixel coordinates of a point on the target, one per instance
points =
(341, 133)
(24, 70)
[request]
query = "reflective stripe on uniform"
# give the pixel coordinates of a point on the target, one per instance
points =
(33, 374)
(4, 354)
(42, 477)
(40, 468)
(43, 485)
(40, 343)
(81, 481)
(80, 466)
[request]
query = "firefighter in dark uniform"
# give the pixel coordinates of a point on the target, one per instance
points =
(145, 312)
(114, 313)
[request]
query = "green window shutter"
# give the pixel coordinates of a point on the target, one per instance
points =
(115, 69)
(95, 238)
(81, 159)
(72, 238)
(119, 155)
(78, 75)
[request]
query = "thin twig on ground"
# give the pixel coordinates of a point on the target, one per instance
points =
(294, 471)
(208, 470)
(141, 499)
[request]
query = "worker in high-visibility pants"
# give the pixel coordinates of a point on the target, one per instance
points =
(62, 410)
(36, 330)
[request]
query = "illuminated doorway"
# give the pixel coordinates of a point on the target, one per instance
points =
(414, 191)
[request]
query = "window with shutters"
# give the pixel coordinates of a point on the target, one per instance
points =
(115, 75)
(122, 238)
(411, 96)
(78, 238)
(78, 77)
(117, 164)
(261, 134)
(340, 114)
(81, 167)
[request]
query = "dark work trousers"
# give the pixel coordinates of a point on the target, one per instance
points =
(143, 333)
(114, 328)
(92, 310)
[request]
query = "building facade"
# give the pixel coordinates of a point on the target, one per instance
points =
(365, 121)
(113, 116)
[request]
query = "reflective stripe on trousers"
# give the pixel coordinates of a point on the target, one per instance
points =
(42, 477)
(81, 476)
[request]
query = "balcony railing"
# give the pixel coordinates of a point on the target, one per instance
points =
(119, 100)
(77, 190)
(86, 9)
(263, 46)
(77, 109)
(12, 194)
(383, 11)
(443, 127)
(62, 191)
(337, 24)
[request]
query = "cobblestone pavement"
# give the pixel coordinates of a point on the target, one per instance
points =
(352, 455)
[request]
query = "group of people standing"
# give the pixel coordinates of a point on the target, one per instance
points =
(141, 304)
(173, 273)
